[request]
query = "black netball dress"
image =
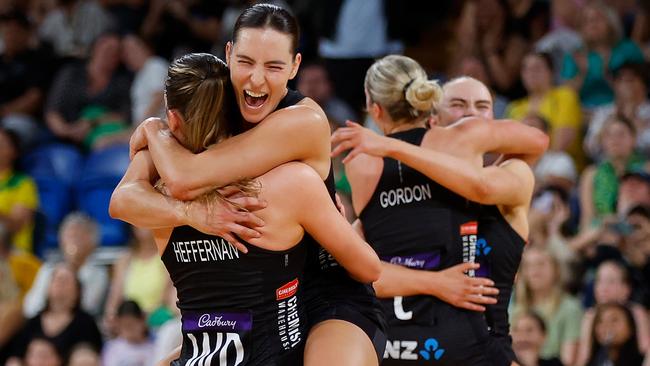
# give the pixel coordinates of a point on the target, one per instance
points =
(236, 308)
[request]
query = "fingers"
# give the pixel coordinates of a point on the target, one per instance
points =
(352, 124)
(466, 267)
(481, 300)
(486, 291)
(231, 239)
(244, 232)
(481, 282)
(470, 306)
(341, 134)
(249, 220)
(250, 203)
(228, 191)
(343, 146)
(356, 151)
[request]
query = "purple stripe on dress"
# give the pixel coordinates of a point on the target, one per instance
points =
(419, 261)
(228, 322)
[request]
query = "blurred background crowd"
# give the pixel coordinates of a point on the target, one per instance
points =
(77, 76)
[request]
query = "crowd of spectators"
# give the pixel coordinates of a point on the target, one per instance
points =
(84, 73)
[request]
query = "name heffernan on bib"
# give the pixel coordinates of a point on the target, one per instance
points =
(207, 250)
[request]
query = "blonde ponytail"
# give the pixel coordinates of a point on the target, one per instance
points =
(399, 84)
(423, 94)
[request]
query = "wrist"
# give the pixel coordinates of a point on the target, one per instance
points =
(425, 282)
(392, 147)
(181, 212)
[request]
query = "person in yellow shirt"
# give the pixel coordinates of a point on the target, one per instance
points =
(17, 272)
(18, 194)
(560, 106)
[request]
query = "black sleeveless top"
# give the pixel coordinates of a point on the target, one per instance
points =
(292, 97)
(327, 284)
(414, 222)
(245, 308)
(498, 249)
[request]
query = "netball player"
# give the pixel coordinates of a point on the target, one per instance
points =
(236, 308)
(282, 127)
(413, 221)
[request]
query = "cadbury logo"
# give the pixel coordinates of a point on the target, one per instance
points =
(206, 321)
(287, 290)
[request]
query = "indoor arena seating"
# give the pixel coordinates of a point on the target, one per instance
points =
(68, 180)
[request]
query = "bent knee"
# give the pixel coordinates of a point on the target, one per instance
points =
(338, 342)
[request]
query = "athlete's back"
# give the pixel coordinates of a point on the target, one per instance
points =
(246, 308)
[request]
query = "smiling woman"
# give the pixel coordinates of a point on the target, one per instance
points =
(347, 327)
(259, 74)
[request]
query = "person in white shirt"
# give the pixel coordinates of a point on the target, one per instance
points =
(149, 81)
(78, 238)
(630, 101)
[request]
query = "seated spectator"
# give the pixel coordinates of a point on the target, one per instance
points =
(528, 336)
(619, 238)
(73, 26)
(23, 266)
(631, 101)
(149, 81)
(614, 285)
(83, 354)
(146, 90)
(487, 28)
(548, 221)
(614, 337)
(132, 345)
(127, 15)
(17, 272)
(540, 288)
(42, 352)
(139, 275)
(588, 69)
(168, 337)
(555, 167)
(600, 183)
(559, 106)
(91, 98)
(563, 38)
(18, 194)
(62, 321)
(177, 27)
(636, 248)
(314, 82)
(78, 238)
(633, 191)
(24, 75)
(10, 306)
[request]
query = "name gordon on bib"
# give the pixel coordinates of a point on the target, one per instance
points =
(401, 196)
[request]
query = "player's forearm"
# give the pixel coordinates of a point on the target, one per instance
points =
(396, 280)
(139, 204)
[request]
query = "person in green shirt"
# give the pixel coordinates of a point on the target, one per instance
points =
(540, 288)
(588, 70)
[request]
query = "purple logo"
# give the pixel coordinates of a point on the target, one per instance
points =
(418, 261)
(213, 321)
